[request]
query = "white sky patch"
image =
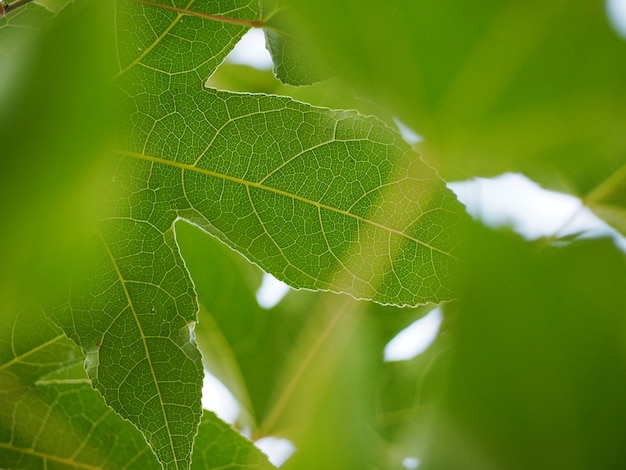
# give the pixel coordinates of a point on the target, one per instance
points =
(616, 11)
(415, 338)
(271, 292)
(533, 212)
(277, 450)
(411, 463)
(250, 50)
(408, 134)
(217, 398)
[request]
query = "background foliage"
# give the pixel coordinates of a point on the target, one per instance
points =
(131, 189)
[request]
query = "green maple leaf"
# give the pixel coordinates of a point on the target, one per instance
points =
(50, 416)
(325, 200)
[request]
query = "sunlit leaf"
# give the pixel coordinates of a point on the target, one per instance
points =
(321, 199)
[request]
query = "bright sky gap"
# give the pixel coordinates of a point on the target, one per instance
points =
(616, 11)
(278, 450)
(250, 50)
(217, 398)
(415, 338)
(271, 292)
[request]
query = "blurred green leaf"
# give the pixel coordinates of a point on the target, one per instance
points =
(538, 366)
(608, 200)
(329, 93)
(497, 86)
(54, 119)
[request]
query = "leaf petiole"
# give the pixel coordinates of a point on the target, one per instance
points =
(224, 19)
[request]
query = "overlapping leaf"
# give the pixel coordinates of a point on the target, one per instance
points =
(323, 199)
(49, 414)
(608, 200)
(293, 63)
(493, 87)
(219, 446)
(269, 369)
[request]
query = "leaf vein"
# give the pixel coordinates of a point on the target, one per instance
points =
(145, 345)
(252, 184)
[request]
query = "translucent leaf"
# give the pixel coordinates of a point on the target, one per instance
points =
(327, 200)
(50, 417)
(322, 199)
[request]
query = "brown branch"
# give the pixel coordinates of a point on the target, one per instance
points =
(5, 7)
(223, 19)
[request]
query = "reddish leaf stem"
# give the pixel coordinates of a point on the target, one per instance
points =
(223, 19)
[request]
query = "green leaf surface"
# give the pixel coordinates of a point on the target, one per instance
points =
(289, 57)
(293, 62)
(322, 199)
(19, 30)
(219, 446)
(492, 87)
(335, 201)
(50, 417)
(240, 341)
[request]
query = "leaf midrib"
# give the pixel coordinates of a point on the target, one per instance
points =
(257, 185)
(145, 345)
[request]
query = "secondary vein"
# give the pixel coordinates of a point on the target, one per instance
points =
(252, 184)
